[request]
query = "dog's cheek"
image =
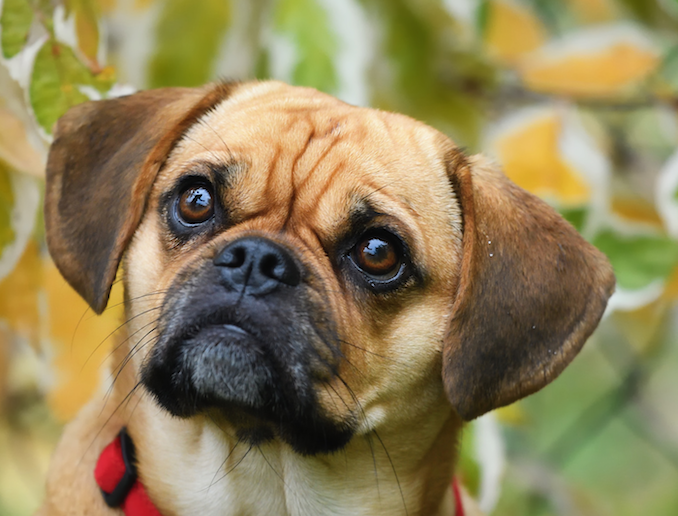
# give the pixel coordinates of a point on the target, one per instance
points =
(144, 271)
(396, 374)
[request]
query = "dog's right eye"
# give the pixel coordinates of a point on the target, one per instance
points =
(195, 204)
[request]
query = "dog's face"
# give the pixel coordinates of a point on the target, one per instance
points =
(309, 270)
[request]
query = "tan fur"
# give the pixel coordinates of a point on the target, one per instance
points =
(302, 158)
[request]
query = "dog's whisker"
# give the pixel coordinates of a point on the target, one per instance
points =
(114, 331)
(228, 455)
(236, 465)
(338, 396)
(212, 153)
(395, 473)
(122, 303)
(371, 352)
(116, 348)
(344, 357)
(367, 436)
(228, 149)
(271, 466)
(120, 367)
(228, 434)
(108, 420)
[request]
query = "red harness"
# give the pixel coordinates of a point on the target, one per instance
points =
(116, 475)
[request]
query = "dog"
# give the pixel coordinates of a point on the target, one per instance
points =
(317, 297)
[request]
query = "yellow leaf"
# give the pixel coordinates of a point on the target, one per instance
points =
(531, 157)
(639, 326)
(593, 63)
(671, 287)
(87, 29)
(142, 5)
(80, 343)
(4, 365)
(19, 296)
(15, 149)
(512, 415)
(512, 30)
(593, 11)
(107, 6)
(636, 210)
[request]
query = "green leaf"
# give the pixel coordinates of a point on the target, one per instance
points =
(188, 37)
(482, 15)
(57, 73)
(467, 465)
(16, 19)
(430, 78)
(638, 260)
(575, 216)
(307, 24)
(6, 206)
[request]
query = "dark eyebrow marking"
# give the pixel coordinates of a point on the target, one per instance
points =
(361, 213)
(221, 175)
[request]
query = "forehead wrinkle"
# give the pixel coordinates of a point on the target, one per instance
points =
(316, 136)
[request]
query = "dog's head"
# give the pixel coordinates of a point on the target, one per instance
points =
(311, 270)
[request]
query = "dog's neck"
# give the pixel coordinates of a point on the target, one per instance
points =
(196, 466)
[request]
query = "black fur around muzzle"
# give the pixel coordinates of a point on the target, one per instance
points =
(245, 334)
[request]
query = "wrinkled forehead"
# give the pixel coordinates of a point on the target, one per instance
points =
(294, 155)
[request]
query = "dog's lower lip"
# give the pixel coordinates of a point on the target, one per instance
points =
(235, 329)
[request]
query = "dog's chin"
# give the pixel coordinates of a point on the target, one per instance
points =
(225, 370)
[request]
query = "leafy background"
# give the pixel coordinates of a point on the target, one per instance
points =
(576, 98)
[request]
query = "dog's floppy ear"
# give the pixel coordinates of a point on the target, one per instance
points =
(100, 169)
(531, 291)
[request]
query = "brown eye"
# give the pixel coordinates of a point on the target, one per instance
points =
(377, 256)
(196, 204)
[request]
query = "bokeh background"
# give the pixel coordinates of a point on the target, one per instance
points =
(577, 99)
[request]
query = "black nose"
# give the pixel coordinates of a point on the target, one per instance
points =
(257, 266)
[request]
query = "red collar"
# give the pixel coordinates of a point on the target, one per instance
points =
(116, 475)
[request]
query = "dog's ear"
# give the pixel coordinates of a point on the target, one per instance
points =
(100, 169)
(531, 291)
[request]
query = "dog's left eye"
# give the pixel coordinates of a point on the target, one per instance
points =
(378, 255)
(195, 204)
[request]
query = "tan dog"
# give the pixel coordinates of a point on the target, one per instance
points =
(317, 296)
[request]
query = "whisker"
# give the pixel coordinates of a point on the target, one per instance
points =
(209, 151)
(114, 331)
(388, 455)
(236, 465)
(271, 466)
(124, 363)
(228, 149)
(212, 482)
(367, 436)
(154, 293)
(228, 434)
(108, 420)
(371, 352)
(154, 321)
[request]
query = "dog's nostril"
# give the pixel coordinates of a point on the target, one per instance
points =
(231, 257)
(268, 265)
(280, 267)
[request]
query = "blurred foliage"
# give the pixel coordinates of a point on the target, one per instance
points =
(576, 99)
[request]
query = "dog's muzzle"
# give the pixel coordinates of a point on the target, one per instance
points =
(245, 333)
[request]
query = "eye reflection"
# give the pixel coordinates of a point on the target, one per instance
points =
(377, 256)
(196, 204)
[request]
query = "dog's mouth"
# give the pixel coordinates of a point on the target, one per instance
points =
(258, 362)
